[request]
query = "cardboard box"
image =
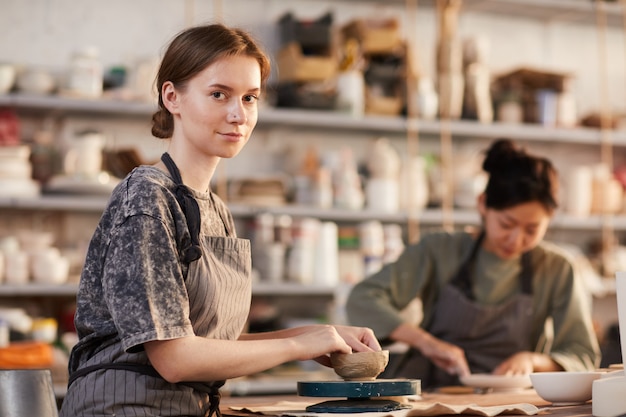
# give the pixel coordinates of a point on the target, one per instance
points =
(294, 66)
(374, 36)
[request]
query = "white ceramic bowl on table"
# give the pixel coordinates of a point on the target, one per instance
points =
(564, 388)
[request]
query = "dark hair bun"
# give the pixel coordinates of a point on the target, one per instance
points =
(501, 155)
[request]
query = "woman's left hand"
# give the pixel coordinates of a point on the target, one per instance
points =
(526, 362)
(520, 363)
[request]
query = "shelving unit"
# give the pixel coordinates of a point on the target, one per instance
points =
(570, 11)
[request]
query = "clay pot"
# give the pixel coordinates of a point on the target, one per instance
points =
(359, 366)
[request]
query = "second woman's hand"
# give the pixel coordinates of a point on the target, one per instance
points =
(446, 356)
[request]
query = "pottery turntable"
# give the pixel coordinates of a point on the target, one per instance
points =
(361, 391)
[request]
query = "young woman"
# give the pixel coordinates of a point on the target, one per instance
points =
(486, 297)
(165, 289)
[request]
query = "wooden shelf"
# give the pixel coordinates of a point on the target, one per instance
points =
(69, 290)
(325, 120)
(34, 290)
(431, 216)
(548, 11)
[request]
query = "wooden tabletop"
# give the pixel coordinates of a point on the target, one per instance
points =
(486, 399)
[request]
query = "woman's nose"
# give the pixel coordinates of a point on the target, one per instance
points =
(516, 238)
(236, 114)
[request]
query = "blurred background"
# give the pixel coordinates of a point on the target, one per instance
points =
(394, 99)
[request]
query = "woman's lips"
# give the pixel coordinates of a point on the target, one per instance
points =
(234, 137)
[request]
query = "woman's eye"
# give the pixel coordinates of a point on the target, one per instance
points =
(506, 226)
(218, 95)
(250, 99)
(531, 232)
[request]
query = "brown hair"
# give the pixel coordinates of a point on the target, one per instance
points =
(517, 177)
(190, 52)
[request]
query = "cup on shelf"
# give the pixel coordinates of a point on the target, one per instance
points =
(16, 268)
(8, 74)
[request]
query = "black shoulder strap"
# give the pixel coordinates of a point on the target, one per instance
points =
(190, 207)
(463, 277)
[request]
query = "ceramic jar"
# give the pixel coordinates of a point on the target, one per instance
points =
(86, 74)
(427, 99)
(84, 157)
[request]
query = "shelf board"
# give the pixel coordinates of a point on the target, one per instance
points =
(61, 290)
(292, 289)
(57, 202)
(431, 216)
(548, 11)
(58, 104)
(325, 120)
(69, 290)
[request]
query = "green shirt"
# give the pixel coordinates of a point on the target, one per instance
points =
(425, 267)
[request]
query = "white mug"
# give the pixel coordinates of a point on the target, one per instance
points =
(17, 271)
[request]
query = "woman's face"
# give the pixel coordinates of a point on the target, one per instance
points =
(515, 230)
(217, 110)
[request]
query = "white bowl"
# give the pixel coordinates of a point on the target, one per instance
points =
(564, 388)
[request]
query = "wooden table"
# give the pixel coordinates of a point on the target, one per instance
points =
(487, 399)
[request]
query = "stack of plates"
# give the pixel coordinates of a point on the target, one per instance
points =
(15, 173)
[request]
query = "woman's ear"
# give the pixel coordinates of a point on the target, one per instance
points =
(482, 205)
(170, 97)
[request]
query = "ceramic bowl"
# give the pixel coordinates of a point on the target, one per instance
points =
(36, 81)
(564, 388)
(359, 366)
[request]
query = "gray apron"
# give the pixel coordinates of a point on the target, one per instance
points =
(219, 290)
(487, 334)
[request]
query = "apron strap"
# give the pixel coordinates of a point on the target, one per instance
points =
(190, 207)
(462, 280)
(526, 275)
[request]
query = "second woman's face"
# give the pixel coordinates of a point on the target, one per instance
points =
(515, 230)
(218, 109)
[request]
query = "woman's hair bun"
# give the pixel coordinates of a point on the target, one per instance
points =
(500, 155)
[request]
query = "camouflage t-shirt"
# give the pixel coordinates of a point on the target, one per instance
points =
(132, 288)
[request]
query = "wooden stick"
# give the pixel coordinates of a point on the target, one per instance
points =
(412, 128)
(606, 141)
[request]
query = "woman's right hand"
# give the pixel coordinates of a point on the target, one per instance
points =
(444, 355)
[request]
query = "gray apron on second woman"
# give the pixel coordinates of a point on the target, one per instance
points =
(219, 291)
(488, 334)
